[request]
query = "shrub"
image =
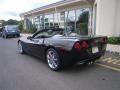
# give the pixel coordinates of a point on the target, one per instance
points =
(20, 26)
(114, 40)
(25, 31)
(33, 28)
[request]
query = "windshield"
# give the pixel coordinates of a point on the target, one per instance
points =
(48, 33)
(52, 33)
(72, 33)
(12, 28)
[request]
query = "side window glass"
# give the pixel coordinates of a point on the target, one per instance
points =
(40, 35)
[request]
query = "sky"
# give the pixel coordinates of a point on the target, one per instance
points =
(10, 9)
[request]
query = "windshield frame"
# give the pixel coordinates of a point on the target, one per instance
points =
(58, 31)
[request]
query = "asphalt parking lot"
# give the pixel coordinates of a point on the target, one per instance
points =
(24, 72)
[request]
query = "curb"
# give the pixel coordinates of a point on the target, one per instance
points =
(113, 49)
(113, 52)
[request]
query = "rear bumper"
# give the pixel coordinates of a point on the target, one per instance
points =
(80, 56)
(12, 34)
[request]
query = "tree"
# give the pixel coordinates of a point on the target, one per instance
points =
(83, 18)
(3, 22)
(20, 25)
(12, 22)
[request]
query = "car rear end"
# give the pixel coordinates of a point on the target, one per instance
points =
(13, 33)
(85, 50)
(12, 30)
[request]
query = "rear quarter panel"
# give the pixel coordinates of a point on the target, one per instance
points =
(64, 43)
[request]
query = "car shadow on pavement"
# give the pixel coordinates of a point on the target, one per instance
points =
(75, 68)
(78, 67)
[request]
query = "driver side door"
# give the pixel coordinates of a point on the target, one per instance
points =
(37, 45)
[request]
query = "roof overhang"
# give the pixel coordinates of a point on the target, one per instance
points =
(58, 5)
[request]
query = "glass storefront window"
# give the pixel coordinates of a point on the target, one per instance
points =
(73, 21)
(62, 20)
(48, 21)
(41, 22)
(70, 21)
(59, 19)
(56, 20)
(82, 17)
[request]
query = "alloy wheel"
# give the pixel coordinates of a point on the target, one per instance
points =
(53, 59)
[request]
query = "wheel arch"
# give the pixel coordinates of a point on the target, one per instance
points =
(55, 48)
(58, 54)
(18, 41)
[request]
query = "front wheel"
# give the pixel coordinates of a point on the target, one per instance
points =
(53, 59)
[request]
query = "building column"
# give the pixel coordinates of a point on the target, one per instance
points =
(90, 31)
(25, 24)
(94, 19)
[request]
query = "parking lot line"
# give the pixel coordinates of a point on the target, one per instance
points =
(116, 62)
(111, 60)
(109, 67)
(106, 59)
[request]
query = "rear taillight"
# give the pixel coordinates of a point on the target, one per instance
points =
(84, 44)
(77, 45)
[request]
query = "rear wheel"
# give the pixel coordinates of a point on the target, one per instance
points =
(53, 59)
(20, 48)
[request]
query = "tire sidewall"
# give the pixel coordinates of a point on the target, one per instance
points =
(58, 59)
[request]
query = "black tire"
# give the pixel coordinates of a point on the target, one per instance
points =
(53, 59)
(20, 48)
(18, 35)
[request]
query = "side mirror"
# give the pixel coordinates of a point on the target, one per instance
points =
(29, 37)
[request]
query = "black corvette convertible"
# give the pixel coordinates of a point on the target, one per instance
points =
(60, 49)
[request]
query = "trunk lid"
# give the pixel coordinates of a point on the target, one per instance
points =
(92, 44)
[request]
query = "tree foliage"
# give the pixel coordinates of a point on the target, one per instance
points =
(3, 22)
(84, 17)
(9, 22)
(12, 22)
(20, 26)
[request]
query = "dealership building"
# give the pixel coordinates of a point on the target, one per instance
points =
(92, 17)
